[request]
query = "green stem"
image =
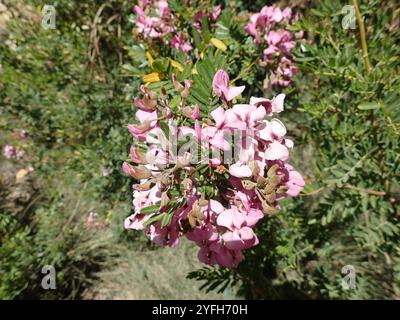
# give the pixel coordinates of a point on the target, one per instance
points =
(361, 26)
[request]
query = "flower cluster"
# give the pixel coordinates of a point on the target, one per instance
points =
(210, 178)
(154, 20)
(211, 17)
(269, 27)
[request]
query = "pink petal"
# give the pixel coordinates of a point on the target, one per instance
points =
(276, 151)
(240, 170)
(225, 219)
(278, 128)
(277, 103)
(234, 92)
(257, 115)
(218, 116)
(247, 233)
(233, 241)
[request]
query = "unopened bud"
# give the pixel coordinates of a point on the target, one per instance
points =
(274, 181)
(139, 172)
(163, 93)
(270, 197)
(282, 189)
(203, 202)
(164, 199)
(261, 182)
(269, 189)
(143, 186)
(248, 185)
(267, 209)
(187, 184)
(255, 169)
(272, 171)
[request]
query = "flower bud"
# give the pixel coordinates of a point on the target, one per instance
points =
(274, 181)
(203, 202)
(269, 189)
(143, 186)
(261, 182)
(267, 209)
(248, 185)
(272, 171)
(187, 184)
(164, 200)
(255, 169)
(282, 189)
(139, 172)
(271, 197)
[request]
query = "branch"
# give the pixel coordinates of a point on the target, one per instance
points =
(372, 192)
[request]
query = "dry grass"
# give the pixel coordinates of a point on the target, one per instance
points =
(153, 274)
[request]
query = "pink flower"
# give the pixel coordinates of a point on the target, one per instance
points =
(136, 221)
(10, 152)
(272, 130)
(216, 13)
(224, 122)
(215, 253)
(276, 105)
(249, 114)
(23, 134)
(154, 26)
(148, 120)
(272, 13)
(251, 27)
(271, 24)
(239, 239)
(276, 151)
(196, 112)
(211, 17)
(163, 8)
(240, 170)
(238, 236)
(221, 86)
(295, 183)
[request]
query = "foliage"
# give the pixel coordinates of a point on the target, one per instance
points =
(349, 130)
(72, 88)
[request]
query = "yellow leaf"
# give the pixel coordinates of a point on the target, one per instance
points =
(153, 77)
(149, 57)
(194, 70)
(219, 44)
(177, 65)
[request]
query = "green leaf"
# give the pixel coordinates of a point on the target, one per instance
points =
(196, 38)
(150, 209)
(160, 65)
(164, 128)
(368, 106)
(173, 103)
(166, 220)
(154, 219)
